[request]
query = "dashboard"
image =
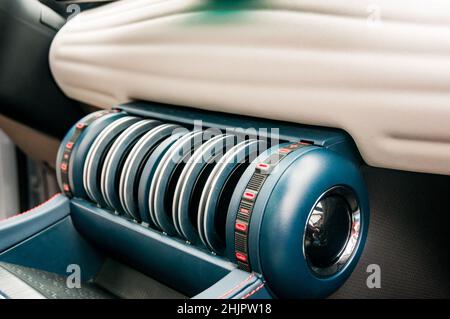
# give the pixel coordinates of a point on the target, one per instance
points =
(341, 64)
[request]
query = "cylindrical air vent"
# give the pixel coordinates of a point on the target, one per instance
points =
(294, 213)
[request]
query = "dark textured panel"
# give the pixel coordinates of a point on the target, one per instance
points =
(53, 286)
(408, 237)
(128, 283)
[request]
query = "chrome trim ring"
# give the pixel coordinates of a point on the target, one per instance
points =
(208, 209)
(121, 146)
(95, 155)
(133, 165)
(174, 157)
(317, 218)
(205, 155)
(148, 174)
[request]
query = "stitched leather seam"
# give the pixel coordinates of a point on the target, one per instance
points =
(237, 286)
(254, 291)
(31, 209)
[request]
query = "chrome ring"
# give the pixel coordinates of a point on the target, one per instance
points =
(155, 187)
(206, 212)
(349, 236)
(204, 154)
(132, 163)
(99, 141)
(134, 131)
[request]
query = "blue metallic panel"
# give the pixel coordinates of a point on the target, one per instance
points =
(171, 261)
(20, 227)
(55, 248)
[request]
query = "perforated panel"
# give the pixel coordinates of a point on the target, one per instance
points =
(408, 237)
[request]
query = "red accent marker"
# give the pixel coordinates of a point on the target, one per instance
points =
(241, 227)
(69, 145)
(63, 166)
(80, 126)
(284, 150)
(66, 187)
(241, 257)
(262, 166)
(244, 211)
(249, 195)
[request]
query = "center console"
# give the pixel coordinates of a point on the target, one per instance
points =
(211, 205)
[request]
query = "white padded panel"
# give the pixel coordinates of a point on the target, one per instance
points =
(316, 62)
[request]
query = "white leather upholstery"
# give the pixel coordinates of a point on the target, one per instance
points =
(320, 62)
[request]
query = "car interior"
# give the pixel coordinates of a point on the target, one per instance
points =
(220, 149)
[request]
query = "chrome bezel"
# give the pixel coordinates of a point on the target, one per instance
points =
(348, 250)
(89, 163)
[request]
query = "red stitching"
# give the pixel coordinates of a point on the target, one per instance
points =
(237, 286)
(31, 209)
(254, 291)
